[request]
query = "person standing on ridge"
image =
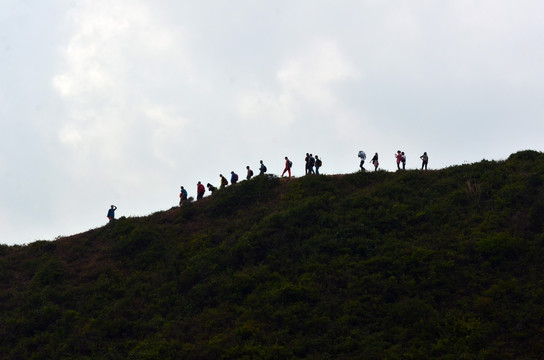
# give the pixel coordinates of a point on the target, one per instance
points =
(307, 164)
(200, 190)
(249, 173)
(182, 196)
(375, 162)
(398, 156)
(224, 181)
(311, 164)
(111, 213)
(425, 160)
(262, 168)
(233, 177)
(318, 164)
(403, 159)
(288, 165)
(362, 156)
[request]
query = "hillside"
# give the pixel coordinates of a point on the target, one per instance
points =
(440, 264)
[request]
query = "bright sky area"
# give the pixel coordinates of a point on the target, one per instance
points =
(122, 102)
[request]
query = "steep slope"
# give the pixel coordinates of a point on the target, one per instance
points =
(440, 264)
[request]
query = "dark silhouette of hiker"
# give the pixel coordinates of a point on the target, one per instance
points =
(362, 156)
(311, 163)
(398, 156)
(307, 164)
(424, 160)
(224, 181)
(403, 159)
(182, 196)
(249, 173)
(318, 164)
(233, 177)
(111, 213)
(288, 166)
(211, 188)
(375, 162)
(200, 190)
(262, 168)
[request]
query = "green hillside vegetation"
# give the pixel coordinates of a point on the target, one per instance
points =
(443, 264)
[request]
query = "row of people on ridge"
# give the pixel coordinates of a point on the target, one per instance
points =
(310, 161)
(400, 157)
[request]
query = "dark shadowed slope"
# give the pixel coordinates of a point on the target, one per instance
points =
(410, 265)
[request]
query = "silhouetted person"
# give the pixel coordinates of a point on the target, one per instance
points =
(111, 213)
(182, 196)
(288, 165)
(249, 173)
(403, 159)
(318, 164)
(262, 168)
(200, 190)
(398, 156)
(375, 162)
(424, 160)
(362, 156)
(311, 163)
(224, 181)
(233, 177)
(211, 188)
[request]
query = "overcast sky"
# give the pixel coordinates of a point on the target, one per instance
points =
(121, 102)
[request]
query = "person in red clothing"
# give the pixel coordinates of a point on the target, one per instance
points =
(398, 156)
(288, 165)
(200, 190)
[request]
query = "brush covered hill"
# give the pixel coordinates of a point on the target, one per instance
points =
(442, 264)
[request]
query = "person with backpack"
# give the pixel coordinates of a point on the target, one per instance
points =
(375, 162)
(200, 190)
(425, 160)
(111, 213)
(311, 164)
(249, 173)
(318, 164)
(262, 168)
(211, 188)
(288, 166)
(362, 156)
(182, 196)
(403, 159)
(224, 181)
(233, 177)
(398, 156)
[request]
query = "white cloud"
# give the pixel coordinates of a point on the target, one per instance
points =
(306, 79)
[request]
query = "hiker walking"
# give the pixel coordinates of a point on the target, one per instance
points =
(262, 168)
(111, 213)
(233, 177)
(403, 159)
(211, 188)
(424, 160)
(182, 196)
(375, 162)
(311, 163)
(200, 190)
(362, 156)
(249, 173)
(307, 164)
(318, 164)
(224, 181)
(398, 156)
(288, 166)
